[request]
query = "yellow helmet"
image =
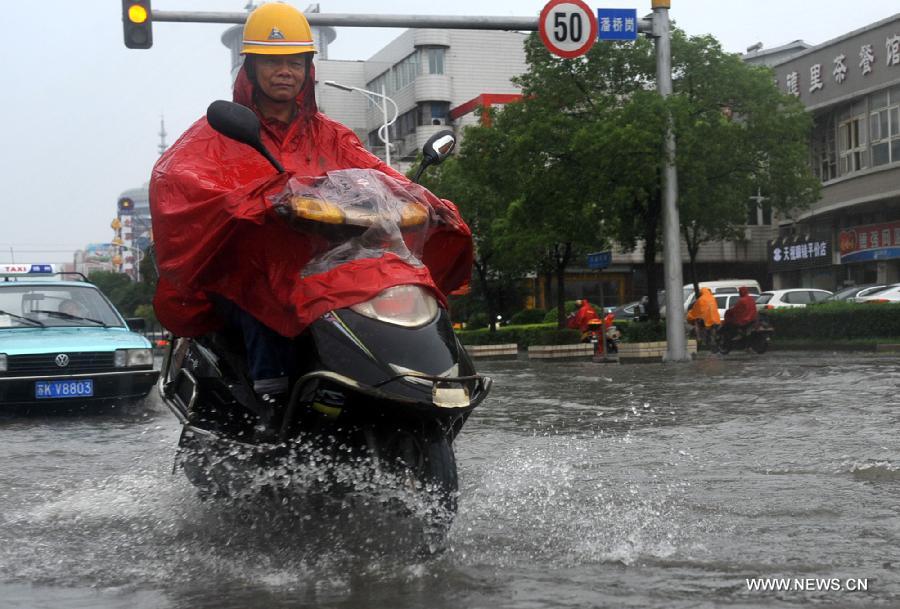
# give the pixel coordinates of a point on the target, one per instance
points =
(277, 29)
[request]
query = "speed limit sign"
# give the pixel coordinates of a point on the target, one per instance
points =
(568, 27)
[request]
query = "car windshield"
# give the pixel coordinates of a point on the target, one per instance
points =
(53, 305)
(883, 288)
(846, 293)
(764, 298)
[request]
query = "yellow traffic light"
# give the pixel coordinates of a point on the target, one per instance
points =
(137, 21)
(137, 13)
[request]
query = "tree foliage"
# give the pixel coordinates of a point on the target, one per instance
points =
(577, 164)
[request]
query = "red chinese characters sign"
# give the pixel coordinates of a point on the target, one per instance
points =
(870, 242)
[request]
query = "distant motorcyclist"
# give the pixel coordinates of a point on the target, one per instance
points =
(741, 315)
(582, 317)
(225, 257)
(704, 317)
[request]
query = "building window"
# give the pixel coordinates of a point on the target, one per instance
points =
(406, 71)
(852, 139)
(824, 149)
(884, 127)
(376, 85)
(435, 58)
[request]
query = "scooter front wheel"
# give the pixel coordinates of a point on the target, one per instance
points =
(422, 462)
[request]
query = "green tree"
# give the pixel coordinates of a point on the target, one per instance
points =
(736, 135)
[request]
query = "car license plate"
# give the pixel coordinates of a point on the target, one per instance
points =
(82, 388)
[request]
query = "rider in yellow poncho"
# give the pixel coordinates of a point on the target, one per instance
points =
(704, 315)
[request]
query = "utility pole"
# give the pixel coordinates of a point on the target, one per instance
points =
(676, 343)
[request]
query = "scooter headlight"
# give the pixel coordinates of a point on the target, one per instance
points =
(402, 305)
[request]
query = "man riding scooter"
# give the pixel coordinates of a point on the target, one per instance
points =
(740, 316)
(226, 260)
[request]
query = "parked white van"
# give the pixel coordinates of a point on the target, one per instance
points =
(719, 288)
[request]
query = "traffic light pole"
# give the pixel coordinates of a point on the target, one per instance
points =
(455, 22)
(676, 343)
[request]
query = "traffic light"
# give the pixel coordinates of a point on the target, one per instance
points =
(138, 24)
(126, 205)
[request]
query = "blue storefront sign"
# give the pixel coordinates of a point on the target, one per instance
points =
(617, 24)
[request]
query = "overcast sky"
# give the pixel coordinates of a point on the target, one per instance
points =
(82, 111)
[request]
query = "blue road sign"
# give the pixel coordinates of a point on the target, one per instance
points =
(599, 260)
(617, 24)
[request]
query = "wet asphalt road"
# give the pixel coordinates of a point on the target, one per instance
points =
(582, 485)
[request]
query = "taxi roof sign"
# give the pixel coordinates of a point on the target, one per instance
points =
(26, 269)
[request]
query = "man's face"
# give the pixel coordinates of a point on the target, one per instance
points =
(281, 76)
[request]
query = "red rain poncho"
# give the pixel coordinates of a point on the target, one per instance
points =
(582, 316)
(215, 229)
(744, 310)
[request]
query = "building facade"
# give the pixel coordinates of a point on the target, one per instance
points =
(851, 86)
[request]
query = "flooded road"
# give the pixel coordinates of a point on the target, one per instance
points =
(581, 485)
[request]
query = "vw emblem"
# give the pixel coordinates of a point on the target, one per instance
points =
(62, 360)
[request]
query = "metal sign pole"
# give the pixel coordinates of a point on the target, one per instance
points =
(676, 343)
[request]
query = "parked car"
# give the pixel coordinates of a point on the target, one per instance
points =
(726, 301)
(796, 297)
(625, 312)
(890, 293)
(63, 341)
(851, 293)
(718, 287)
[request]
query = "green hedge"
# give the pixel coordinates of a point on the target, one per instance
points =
(642, 331)
(524, 336)
(837, 320)
(528, 316)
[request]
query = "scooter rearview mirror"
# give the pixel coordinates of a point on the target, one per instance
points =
(436, 150)
(240, 124)
(439, 146)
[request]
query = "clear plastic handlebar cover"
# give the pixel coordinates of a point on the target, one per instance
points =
(361, 213)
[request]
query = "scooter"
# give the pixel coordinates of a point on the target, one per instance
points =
(385, 389)
(756, 336)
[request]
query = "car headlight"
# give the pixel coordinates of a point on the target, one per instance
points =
(130, 358)
(3, 364)
(403, 305)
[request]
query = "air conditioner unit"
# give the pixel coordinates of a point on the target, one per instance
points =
(438, 121)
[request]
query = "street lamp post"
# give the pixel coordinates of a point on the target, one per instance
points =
(383, 131)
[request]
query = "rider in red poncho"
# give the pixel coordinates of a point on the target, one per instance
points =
(225, 257)
(581, 317)
(741, 314)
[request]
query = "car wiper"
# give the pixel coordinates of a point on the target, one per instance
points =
(62, 315)
(28, 319)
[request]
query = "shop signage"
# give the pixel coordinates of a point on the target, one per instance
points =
(788, 254)
(867, 59)
(870, 242)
